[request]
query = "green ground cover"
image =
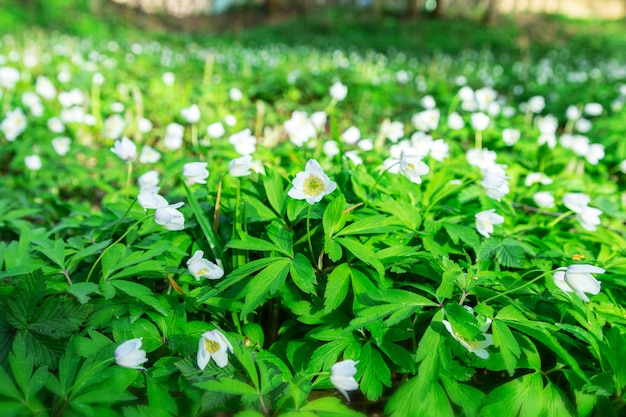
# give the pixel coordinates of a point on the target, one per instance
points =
(336, 215)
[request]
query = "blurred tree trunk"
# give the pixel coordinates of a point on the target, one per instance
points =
(273, 6)
(411, 9)
(491, 14)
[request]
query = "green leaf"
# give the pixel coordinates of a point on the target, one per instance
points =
(267, 282)
(465, 396)
(363, 253)
(274, 190)
(337, 287)
(303, 274)
(504, 340)
(247, 242)
(90, 250)
(465, 234)
(227, 386)
(281, 237)
(371, 224)
(140, 293)
(81, 290)
(463, 322)
(375, 372)
(54, 250)
(451, 273)
(520, 397)
(334, 218)
(330, 406)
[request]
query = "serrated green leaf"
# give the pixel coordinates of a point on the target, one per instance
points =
(140, 293)
(302, 273)
(247, 242)
(362, 253)
(465, 396)
(267, 282)
(504, 340)
(58, 317)
(54, 250)
(81, 291)
(465, 234)
(337, 287)
(375, 372)
(281, 237)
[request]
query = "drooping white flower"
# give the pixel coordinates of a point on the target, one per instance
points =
(593, 109)
(299, 128)
(354, 157)
(243, 141)
(455, 121)
(33, 162)
(338, 91)
(149, 198)
(125, 149)
(33, 102)
(495, 182)
(426, 120)
(312, 184)
(536, 104)
(213, 344)
(144, 125)
(485, 220)
(195, 172)
(130, 355)
(61, 145)
(318, 119)
(203, 268)
(413, 168)
(578, 279)
(595, 153)
(576, 201)
(240, 167)
(583, 125)
(342, 377)
(169, 217)
(173, 139)
(45, 88)
(589, 218)
(330, 148)
(481, 158)
(477, 347)
(392, 130)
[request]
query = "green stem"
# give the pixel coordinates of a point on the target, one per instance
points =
(520, 287)
(128, 177)
(194, 135)
(308, 233)
(122, 218)
(479, 140)
(447, 193)
(114, 243)
(558, 219)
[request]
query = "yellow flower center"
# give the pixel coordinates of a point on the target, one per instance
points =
(313, 185)
(211, 346)
(201, 272)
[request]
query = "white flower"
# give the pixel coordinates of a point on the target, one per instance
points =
(203, 268)
(351, 135)
(144, 125)
(338, 91)
(13, 124)
(130, 355)
(149, 198)
(235, 94)
(589, 218)
(113, 126)
(578, 279)
(45, 88)
(299, 128)
(98, 78)
(230, 120)
(455, 121)
(413, 168)
(168, 78)
(595, 153)
(195, 172)
(485, 221)
(622, 166)
(342, 377)
(392, 130)
(477, 347)
(169, 217)
(215, 130)
(544, 199)
(426, 120)
(9, 76)
(537, 178)
(576, 201)
(125, 149)
(428, 102)
(319, 119)
(244, 142)
(61, 145)
(149, 179)
(495, 182)
(214, 345)
(510, 136)
(330, 148)
(439, 150)
(593, 109)
(33, 162)
(583, 125)
(173, 139)
(117, 107)
(479, 121)
(149, 155)
(312, 184)
(354, 157)
(191, 113)
(536, 104)
(572, 113)
(481, 158)
(240, 167)
(33, 102)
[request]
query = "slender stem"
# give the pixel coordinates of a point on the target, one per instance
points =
(518, 288)
(194, 135)
(308, 232)
(218, 203)
(114, 243)
(122, 218)
(128, 177)
(479, 139)
(558, 219)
